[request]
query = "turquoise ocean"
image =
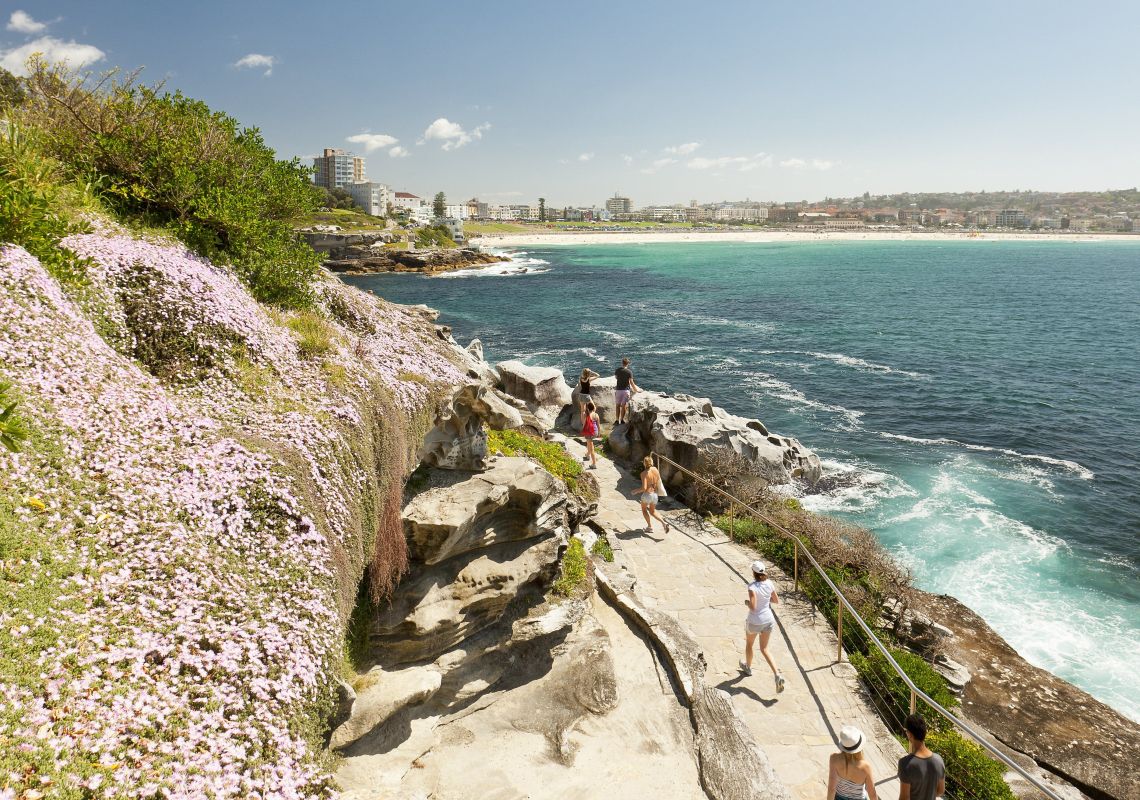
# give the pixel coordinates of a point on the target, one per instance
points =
(975, 403)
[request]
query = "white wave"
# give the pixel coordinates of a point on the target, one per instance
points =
(503, 269)
(771, 386)
(849, 488)
(616, 338)
(1084, 473)
(848, 361)
(673, 351)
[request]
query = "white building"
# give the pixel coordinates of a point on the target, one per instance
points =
(457, 212)
(407, 201)
(744, 213)
(502, 213)
(454, 227)
(421, 215)
(371, 196)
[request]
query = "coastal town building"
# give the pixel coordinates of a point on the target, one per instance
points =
(619, 205)
(454, 227)
(1011, 218)
(407, 201)
(783, 214)
(457, 211)
(743, 213)
(336, 169)
(374, 198)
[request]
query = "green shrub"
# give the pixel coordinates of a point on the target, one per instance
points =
(168, 160)
(434, 236)
(551, 456)
(314, 334)
(890, 692)
(12, 429)
(602, 548)
(573, 568)
(970, 772)
(30, 205)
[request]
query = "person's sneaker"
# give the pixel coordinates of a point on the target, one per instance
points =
(779, 683)
(585, 458)
(747, 670)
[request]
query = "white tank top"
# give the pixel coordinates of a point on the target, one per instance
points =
(763, 591)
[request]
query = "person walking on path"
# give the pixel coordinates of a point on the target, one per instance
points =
(850, 775)
(590, 428)
(922, 774)
(625, 387)
(760, 622)
(650, 490)
(588, 375)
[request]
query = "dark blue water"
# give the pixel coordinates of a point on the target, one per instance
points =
(977, 404)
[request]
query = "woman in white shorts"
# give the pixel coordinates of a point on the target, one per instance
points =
(760, 622)
(648, 492)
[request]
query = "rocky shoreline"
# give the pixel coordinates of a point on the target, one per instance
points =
(429, 262)
(1037, 716)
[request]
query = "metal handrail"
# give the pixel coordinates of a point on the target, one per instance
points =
(915, 692)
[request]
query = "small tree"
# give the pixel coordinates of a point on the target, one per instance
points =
(542, 209)
(11, 89)
(439, 206)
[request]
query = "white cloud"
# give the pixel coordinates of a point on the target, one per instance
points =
(372, 141)
(627, 159)
(53, 51)
(257, 61)
(22, 22)
(658, 164)
(451, 134)
(741, 163)
(683, 149)
(816, 163)
(398, 152)
(585, 156)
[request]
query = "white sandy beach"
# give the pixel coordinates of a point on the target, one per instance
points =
(655, 237)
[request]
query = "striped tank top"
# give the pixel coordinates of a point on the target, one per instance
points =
(848, 790)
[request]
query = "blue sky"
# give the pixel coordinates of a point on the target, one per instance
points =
(662, 101)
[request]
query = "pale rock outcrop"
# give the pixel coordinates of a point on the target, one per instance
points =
(385, 694)
(543, 389)
(459, 438)
(474, 365)
(685, 429)
(478, 546)
(601, 393)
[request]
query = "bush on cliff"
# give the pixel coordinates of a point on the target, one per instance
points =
(970, 772)
(164, 159)
(551, 456)
(434, 236)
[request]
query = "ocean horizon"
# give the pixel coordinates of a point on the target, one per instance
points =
(975, 406)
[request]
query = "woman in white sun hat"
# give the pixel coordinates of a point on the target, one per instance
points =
(761, 621)
(850, 774)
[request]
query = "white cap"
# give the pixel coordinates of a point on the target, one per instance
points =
(759, 568)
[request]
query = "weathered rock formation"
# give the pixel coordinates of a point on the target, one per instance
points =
(601, 394)
(1063, 729)
(686, 429)
(459, 438)
(359, 260)
(478, 546)
(543, 389)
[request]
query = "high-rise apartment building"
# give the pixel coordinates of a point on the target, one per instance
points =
(619, 205)
(336, 169)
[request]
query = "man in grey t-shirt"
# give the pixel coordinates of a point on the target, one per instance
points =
(922, 775)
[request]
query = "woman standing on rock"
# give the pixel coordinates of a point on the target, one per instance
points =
(850, 775)
(650, 489)
(760, 622)
(590, 428)
(588, 375)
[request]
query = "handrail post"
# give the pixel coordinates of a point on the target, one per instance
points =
(732, 521)
(796, 565)
(913, 701)
(839, 647)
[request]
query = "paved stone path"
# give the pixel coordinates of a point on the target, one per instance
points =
(698, 575)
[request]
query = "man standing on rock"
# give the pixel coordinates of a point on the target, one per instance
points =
(922, 775)
(625, 386)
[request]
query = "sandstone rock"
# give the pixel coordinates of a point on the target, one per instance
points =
(514, 499)
(459, 439)
(685, 428)
(733, 767)
(471, 359)
(543, 389)
(1062, 728)
(601, 393)
(482, 544)
(386, 693)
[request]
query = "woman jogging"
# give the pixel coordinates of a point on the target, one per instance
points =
(760, 622)
(649, 491)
